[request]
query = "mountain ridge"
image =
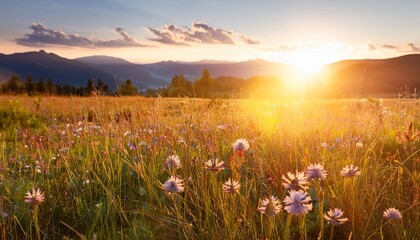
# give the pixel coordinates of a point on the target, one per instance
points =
(345, 77)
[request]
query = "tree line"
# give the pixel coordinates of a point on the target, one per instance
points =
(41, 87)
(220, 87)
(203, 87)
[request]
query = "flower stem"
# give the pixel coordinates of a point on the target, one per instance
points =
(302, 227)
(332, 232)
(320, 208)
(287, 228)
(35, 217)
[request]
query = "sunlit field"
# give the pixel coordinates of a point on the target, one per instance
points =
(138, 168)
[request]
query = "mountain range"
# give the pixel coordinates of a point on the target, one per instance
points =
(343, 78)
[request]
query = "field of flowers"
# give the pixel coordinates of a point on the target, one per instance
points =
(137, 168)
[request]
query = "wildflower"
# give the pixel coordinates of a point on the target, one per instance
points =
(222, 127)
(132, 146)
(5, 215)
(409, 136)
(240, 146)
(269, 206)
(297, 202)
(213, 165)
(174, 184)
(335, 217)
(393, 213)
(350, 171)
(295, 181)
(173, 162)
(231, 186)
(316, 171)
(324, 145)
(35, 198)
(359, 145)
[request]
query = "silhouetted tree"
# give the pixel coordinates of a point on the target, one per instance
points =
(13, 85)
(30, 86)
(180, 87)
(127, 89)
(101, 87)
(90, 87)
(202, 85)
(50, 87)
(40, 86)
(58, 89)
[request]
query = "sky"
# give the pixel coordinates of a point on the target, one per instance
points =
(143, 31)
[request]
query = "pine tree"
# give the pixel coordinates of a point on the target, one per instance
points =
(13, 85)
(51, 89)
(30, 86)
(40, 86)
(127, 89)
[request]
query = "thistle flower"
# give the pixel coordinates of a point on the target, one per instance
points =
(392, 213)
(231, 186)
(297, 202)
(35, 198)
(213, 165)
(174, 185)
(316, 171)
(240, 146)
(269, 206)
(5, 215)
(350, 171)
(295, 181)
(173, 161)
(335, 217)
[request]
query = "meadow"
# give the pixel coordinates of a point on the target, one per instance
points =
(140, 168)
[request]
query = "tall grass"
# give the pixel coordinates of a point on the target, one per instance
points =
(101, 164)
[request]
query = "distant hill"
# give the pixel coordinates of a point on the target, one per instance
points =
(355, 77)
(161, 73)
(102, 59)
(48, 65)
(167, 69)
(124, 70)
(345, 78)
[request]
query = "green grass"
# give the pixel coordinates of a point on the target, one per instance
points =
(101, 164)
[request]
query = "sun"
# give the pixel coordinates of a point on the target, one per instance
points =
(307, 62)
(306, 66)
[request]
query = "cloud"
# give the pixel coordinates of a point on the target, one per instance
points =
(371, 47)
(199, 33)
(413, 48)
(205, 34)
(170, 34)
(249, 40)
(125, 41)
(387, 46)
(408, 48)
(41, 35)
